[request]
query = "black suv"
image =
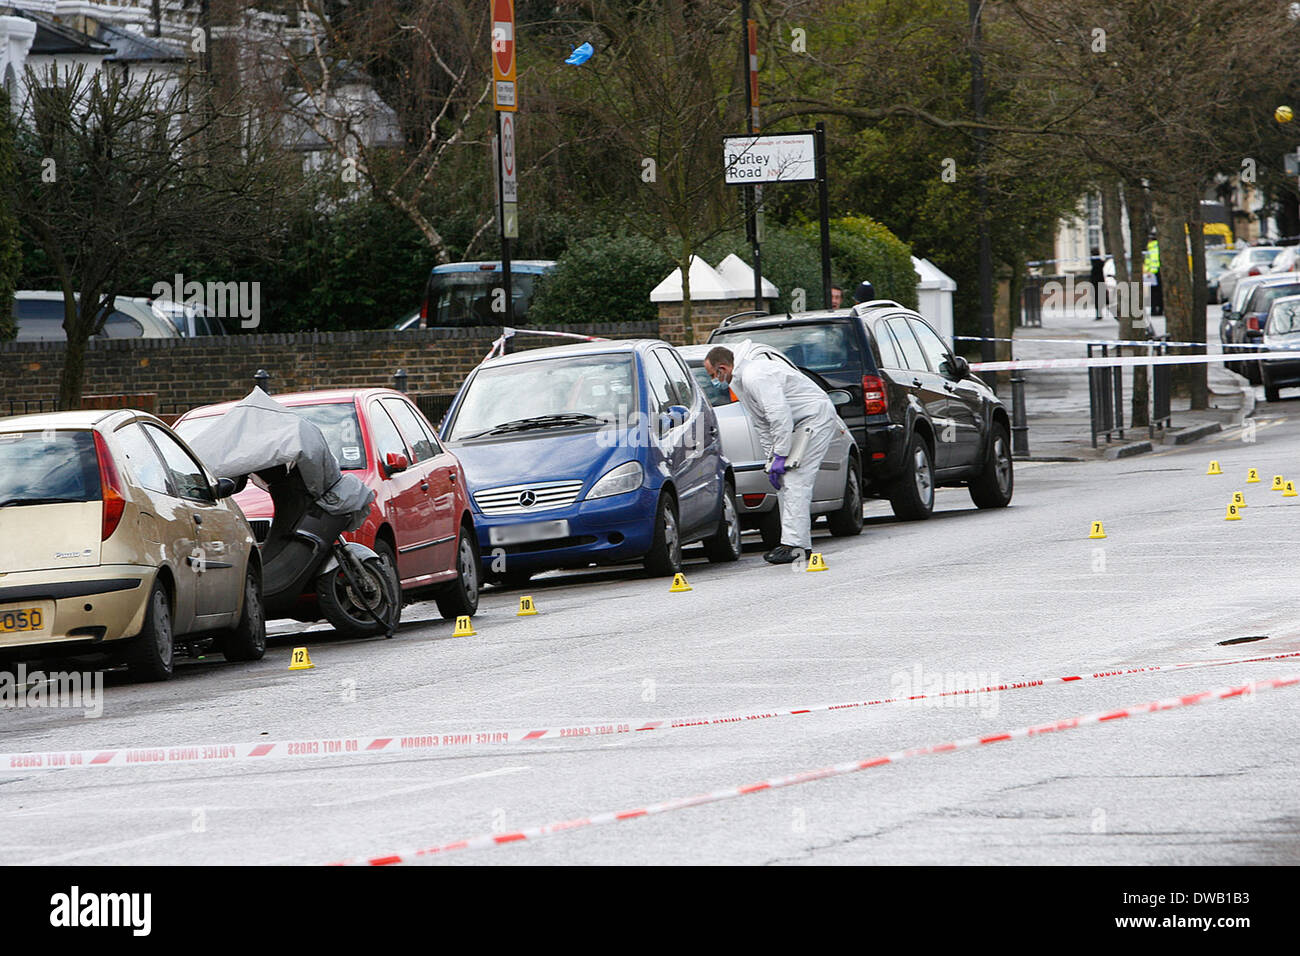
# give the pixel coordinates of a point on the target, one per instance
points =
(918, 415)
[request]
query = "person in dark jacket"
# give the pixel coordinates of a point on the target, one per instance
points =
(1097, 276)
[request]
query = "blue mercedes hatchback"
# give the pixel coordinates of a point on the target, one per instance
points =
(596, 453)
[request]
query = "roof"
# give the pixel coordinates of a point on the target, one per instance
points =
(577, 348)
(52, 38)
(324, 396)
(707, 283)
(78, 418)
(136, 47)
(782, 318)
(516, 265)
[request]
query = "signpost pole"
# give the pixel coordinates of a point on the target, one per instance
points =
(753, 194)
(506, 282)
(823, 213)
(505, 100)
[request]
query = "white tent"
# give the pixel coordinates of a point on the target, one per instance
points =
(740, 274)
(934, 293)
(706, 284)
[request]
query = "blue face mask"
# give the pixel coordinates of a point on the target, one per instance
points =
(719, 385)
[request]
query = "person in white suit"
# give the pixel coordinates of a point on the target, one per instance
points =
(795, 422)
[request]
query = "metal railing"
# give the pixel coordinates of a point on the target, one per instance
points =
(30, 406)
(1105, 397)
(1162, 382)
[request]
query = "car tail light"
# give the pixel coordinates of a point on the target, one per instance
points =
(1254, 272)
(110, 485)
(753, 501)
(874, 399)
(1252, 323)
(424, 313)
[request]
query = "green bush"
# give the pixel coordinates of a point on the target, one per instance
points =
(790, 262)
(863, 249)
(601, 279)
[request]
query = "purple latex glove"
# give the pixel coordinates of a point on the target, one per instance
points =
(776, 470)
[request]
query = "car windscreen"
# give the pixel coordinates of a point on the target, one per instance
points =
(717, 396)
(562, 389)
(1263, 297)
(821, 348)
(46, 467)
(468, 298)
(337, 420)
(1284, 318)
(42, 319)
(1263, 255)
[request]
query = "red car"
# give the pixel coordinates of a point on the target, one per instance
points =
(420, 522)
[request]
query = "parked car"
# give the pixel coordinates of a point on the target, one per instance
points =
(39, 315)
(118, 541)
(1249, 261)
(468, 293)
(1281, 334)
(592, 453)
(838, 491)
(1288, 260)
(420, 523)
(916, 414)
(191, 320)
(1248, 328)
(1217, 260)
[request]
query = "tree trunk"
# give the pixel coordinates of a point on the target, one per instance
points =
(1176, 281)
(70, 378)
(1200, 300)
(1135, 198)
(688, 327)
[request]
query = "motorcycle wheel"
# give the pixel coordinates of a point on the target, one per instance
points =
(346, 609)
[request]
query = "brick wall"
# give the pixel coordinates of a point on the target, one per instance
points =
(189, 372)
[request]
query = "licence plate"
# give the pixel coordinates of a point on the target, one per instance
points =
(523, 533)
(18, 619)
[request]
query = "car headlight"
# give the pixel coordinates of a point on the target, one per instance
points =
(626, 477)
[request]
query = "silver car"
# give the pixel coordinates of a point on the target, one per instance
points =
(838, 492)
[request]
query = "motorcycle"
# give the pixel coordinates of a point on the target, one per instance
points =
(309, 569)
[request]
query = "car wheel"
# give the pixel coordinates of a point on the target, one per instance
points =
(912, 496)
(1272, 393)
(996, 480)
(461, 596)
(846, 521)
(665, 554)
(151, 654)
(770, 527)
(247, 640)
(725, 544)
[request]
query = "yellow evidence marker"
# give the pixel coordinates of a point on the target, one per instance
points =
(1234, 514)
(1290, 490)
(526, 607)
(300, 660)
(1097, 531)
(1278, 483)
(464, 627)
(1214, 469)
(1239, 499)
(816, 562)
(679, 584)
(1252, 476)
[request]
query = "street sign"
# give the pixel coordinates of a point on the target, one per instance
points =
(509, 179)
(509, 220)
(773, 158)
(504, 91)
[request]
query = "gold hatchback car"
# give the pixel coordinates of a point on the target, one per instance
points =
(115, 539)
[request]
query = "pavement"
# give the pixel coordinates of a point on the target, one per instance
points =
(1056, 400)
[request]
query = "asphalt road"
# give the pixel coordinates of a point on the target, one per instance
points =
(984, 597)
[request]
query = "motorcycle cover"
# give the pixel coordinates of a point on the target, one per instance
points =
(260, 433)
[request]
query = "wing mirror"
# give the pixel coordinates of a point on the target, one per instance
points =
(839, 398)
(225, 487)
(960, 368)
(670, 419)
(393, 463)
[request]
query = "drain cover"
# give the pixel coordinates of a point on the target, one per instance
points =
(1244, 640)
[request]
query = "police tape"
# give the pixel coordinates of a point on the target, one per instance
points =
(509, 333)
(211, 753)
(1143, 343)
(835, 770)
(1123, 361)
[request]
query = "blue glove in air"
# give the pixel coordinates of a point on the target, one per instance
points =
(775, 471)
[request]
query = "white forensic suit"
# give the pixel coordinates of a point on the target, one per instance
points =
(780, 400)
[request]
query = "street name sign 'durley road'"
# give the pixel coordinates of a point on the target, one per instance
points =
(771, 158)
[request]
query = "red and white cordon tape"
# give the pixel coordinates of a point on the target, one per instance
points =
(1124, 361)
(509, 333)
(469, 739)
(835, 770)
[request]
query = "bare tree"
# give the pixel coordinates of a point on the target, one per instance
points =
(114, 173)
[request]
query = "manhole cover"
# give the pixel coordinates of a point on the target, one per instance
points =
(1244, 640)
